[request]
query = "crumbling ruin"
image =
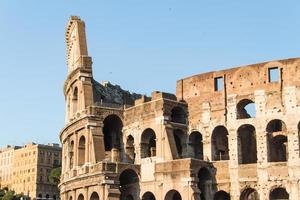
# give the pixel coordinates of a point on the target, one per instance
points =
(231, 134)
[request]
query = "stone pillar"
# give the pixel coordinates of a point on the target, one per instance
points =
(233, 165)
(97, 142)
(87, 145)
(75, 164)
(74, 197)
(115, 155)
(233, 146)
(261, 144)
(86, 196)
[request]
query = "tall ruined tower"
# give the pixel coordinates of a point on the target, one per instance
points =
(78, 86)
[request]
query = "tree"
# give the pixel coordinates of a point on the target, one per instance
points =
(54, 176)
(6, 194)
(9, 195)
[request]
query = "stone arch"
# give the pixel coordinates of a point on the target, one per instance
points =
(178, 115)
(148, 196)
(221, 195)
(129, 185)
(205, 183)
(277, 141)
(173, 195)
(180, 142)
(245, 109)
(247, 148)
(249, 194)
(80, 197)
(112, 131)
(219, 144)
(75, 100)
(130, 150)
(148, 143)
(196, 144)
(81, 150)
(94, 196)
(279, 193)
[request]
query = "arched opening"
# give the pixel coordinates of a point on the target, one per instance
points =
(129, 185)
(47, 196)
(180, 141)
(81, 151)
(222, 195)
(75, 100)
(178, 115)
(249, 194)
(279, 194)
(245, 109)
(277, 141)
(148, 143)
(219, 139)
(148, 196)
(247, 151)
(195, 142)
(71, 154)
(94, 196)
(112, 130)
(130, 152)
(173, 195)
(80, 197)
(205, 184)
(40, 196)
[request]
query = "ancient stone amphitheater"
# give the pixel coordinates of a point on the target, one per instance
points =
(231, 134)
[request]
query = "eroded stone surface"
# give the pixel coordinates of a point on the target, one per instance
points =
(202, 143)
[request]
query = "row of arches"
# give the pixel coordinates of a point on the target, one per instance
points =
(278, 193)
(130, 189)
(277, 142)
(192, 145)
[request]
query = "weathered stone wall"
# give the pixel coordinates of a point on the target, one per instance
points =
(203, 143)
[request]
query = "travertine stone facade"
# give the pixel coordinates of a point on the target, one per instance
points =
(30, 167)
(6, 166)
(231, 134)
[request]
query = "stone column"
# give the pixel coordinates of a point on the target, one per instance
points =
(261, 143)
(206, 135)
(87, 145)
(233, 146)
(75, 164)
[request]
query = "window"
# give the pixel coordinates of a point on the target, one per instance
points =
(56, 162)
(219, 84)
(273, 74)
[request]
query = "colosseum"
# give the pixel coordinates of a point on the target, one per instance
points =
(230, 134)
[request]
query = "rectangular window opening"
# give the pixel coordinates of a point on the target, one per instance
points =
(273, 74)
(219, 84)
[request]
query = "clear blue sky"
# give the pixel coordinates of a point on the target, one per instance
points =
(142, 45)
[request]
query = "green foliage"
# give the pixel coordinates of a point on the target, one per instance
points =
(54, 176)
(9, 195)
(6, 194)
